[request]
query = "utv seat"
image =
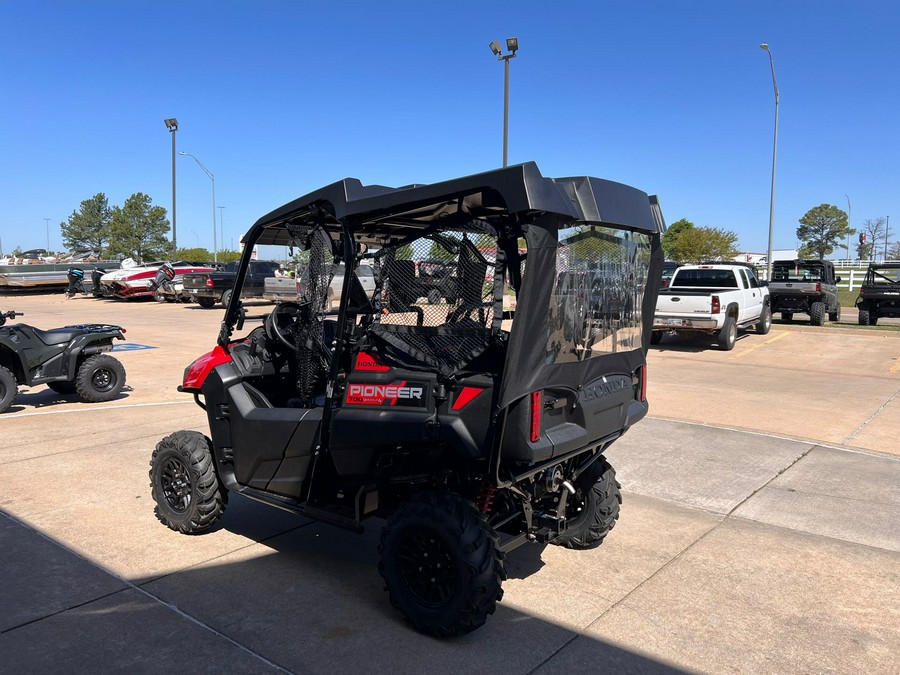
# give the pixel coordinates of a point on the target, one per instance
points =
(403, 288)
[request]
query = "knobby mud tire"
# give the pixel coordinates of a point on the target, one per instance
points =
(8, 389)
(100, 378)
(183, 482)
(442, 601)
(817, 314)
(594, 508)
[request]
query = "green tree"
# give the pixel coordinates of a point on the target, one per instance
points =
(874, 231)
(821, 229)
(198, 254)
(138, 229)
(698, 244)
(88, 228)
(670, 236)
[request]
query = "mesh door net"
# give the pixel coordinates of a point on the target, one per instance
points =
(439, 298)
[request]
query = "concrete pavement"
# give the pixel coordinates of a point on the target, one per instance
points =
(742, 545)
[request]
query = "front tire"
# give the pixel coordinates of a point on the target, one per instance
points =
(765, 321)
(441, 564)
(835, 315)
(728, 334)
(817, 314)
(8, 389)
(594, 508)
(183, 482)
(226, 298)
(100, 378)
(206, 303)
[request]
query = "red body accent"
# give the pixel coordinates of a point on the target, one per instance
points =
(196, 373)
(370, 363)
(466, 396)
(716, 307)
(643, 383)
(536, 410)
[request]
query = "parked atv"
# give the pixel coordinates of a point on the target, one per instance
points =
(470, 429)
(68, 360)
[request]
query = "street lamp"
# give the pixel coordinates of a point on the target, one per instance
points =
(512, 44)
(765, 46)
(221, 227)
(212, 177)
(172, 125)
(47, 220)
(849, 218)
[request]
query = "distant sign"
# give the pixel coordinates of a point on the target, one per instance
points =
(131, 347)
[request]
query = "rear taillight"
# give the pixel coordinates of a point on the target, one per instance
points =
(818, 288)
(643, 383)
(536, 409)
(716, 307)
(209, 282)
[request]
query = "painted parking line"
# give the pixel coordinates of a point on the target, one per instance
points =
(761, 344)
(131, 347)
(95, 408)
(895, 368)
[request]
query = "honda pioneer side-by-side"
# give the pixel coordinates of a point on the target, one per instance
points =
(469, 428)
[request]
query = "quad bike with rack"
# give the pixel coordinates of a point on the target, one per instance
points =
(69, 360)
(469, 428)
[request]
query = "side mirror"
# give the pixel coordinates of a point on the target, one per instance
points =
(837, 280)
(242, 314)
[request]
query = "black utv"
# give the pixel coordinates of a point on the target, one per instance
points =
(69, 360)
(879, 295)
(470, 429)
(805, 286)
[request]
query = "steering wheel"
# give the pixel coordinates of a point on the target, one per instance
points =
(280, 322)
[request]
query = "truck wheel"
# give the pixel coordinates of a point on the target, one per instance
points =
(441, 564)
(728, 334)
(765, 321)
(226, 298)
(434, 296)
(817, 314)
(8, 389)
(184, 484)
(206, 302)
(787, 316)
(863, 317)
(100, 378)
(835, 315)
(594, 508)
(62, 387)
(656, 337)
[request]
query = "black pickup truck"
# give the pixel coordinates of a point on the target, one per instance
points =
(880, 293)
(212, 287)
(805, 286)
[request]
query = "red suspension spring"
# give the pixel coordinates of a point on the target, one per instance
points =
(486, 498)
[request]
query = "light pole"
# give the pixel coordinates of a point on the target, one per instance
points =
(212, 177)
(887, 229)
(221, 226)
(172, 125)
(47, 221)
(512, 44)
(849, 218)
(765, 46)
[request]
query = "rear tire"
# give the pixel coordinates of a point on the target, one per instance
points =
(787, 316)
(189, 497)
(835, 315)
(226, 298)
(8, 389)
(656, 337)
(62, 387)
(728, 334)
(100, 378)
(441, 564)
(863, 317)
(206, 303)
(594, 508)
(817, 314)
(765, 321)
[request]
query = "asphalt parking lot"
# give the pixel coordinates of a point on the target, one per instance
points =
(760, 530)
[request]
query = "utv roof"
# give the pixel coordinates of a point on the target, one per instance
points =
(377, 212)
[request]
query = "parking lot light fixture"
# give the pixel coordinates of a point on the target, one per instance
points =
(212, 177)
(172, 126)
(765, 46)
(512, 45)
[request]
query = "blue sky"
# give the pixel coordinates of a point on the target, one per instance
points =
(279, 98)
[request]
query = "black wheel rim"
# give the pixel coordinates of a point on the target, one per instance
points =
(176, 484)
(427, 566)
(103, 379)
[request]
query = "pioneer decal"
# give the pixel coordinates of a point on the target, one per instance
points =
(402, 394)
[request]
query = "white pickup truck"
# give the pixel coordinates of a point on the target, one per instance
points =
(715, 299)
